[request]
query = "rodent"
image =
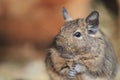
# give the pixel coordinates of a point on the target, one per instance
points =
(81, 51)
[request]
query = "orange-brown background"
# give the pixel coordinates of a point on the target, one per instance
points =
(35, 22)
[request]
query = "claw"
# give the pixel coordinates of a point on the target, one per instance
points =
(79, 68)
(72, 73)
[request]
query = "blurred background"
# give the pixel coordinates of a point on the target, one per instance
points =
(28, 27)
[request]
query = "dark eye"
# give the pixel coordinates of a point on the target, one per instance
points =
(77, 34)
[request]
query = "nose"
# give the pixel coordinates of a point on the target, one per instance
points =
(59, 41)
(58, 37)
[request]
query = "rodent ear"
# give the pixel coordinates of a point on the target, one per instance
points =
(92, 22)
(66, 15)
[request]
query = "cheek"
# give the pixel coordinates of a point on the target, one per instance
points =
(80, 42)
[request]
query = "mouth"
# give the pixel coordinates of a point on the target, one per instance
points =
(60, 49)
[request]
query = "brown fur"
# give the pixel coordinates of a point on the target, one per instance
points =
(94, 51)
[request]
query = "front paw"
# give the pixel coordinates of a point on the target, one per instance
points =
(72, 73)
(79, 68)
